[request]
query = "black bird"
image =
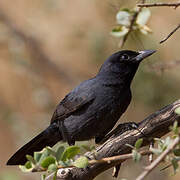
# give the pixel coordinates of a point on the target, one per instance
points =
(91, 109)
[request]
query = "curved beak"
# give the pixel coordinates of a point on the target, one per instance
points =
(144, 54)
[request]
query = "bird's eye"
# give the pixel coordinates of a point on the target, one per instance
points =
(124, 57)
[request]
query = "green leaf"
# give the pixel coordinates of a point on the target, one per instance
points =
(52, 167)
(31, 159)
(138, 143)
(47, 161)
(59, 152)
(45, 154)
(27, 167)
(176, 152)
(175, 164)
(70, 152)
(123, 18)
(136, 156)
(119, 31)
(177, 110)
(37, 156)
(143, 17)
(81, 162)
(51, 151)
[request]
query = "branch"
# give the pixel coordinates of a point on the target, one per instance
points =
(170, 34)
(132, 24)
(160, 158)
(155, 125)
(175, 5)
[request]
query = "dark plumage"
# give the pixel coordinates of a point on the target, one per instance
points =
(92, 108)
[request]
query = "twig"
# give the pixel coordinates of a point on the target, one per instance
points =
(170, 34)
(175, 5)
(119, 158)
(108, 160)
(132, 23)
(155, 163)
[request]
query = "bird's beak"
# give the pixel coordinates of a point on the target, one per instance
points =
(143, 54)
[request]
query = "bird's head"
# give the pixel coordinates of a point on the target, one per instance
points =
(123, 64)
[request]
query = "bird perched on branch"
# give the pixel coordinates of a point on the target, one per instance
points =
(91, 109)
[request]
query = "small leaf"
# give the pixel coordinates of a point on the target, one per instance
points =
(123, 18)
(70, 152)
(59, 153)
(51, 151)
(119, 31)
(176, 152)
(81, 162)
(136, 156)
(47, 161)
(177, 110)
(175, 165)
(27, 167)
(31, 159)
(37, 156)
(52, 167)
(45, 154)
(138, 143)
(143, 17)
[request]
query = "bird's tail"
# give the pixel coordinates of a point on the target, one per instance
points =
(48, 137)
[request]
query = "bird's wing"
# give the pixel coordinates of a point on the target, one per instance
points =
(72, 103)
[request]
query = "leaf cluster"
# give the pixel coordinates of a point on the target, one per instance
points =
(50, 160)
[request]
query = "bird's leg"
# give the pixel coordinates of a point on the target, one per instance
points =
(64, 133)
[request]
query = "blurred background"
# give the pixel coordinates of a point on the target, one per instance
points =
(47, 47)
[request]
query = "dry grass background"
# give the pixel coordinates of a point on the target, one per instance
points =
(74, 38)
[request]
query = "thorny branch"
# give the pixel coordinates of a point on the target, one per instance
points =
(175, 5)
(156, 162)
(155, 125)
(170, 34)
